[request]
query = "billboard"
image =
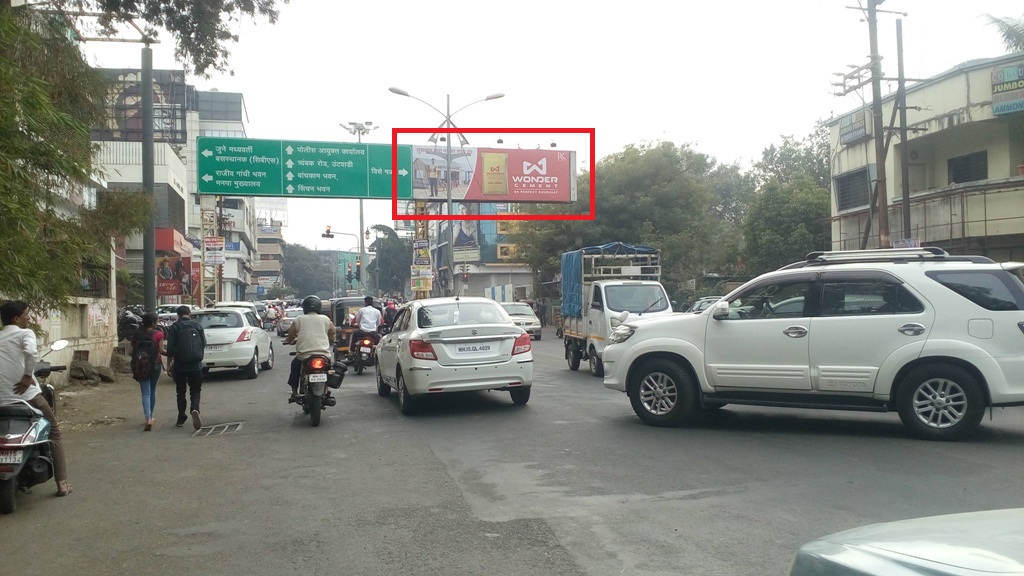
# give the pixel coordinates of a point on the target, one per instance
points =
(1008, 89)
(493, 174)
(174, 277)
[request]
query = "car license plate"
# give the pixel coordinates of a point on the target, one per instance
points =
(10, 456)
(366, 349)
(214, 348)
(318, 377)
(472, 348)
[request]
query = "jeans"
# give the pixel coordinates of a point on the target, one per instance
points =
(148, 387)
(60, 473)
(194, 380)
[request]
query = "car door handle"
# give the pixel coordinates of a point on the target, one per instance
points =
(795, 331)
(911, 329)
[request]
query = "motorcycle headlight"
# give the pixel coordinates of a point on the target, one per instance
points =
(621, 333)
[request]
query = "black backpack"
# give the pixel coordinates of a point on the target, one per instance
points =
(144, 354)
(188, 346)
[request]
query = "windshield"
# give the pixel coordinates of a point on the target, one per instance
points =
(292, 313)
(218, 320)
(518, 309)
(636, 298)
(460, 314)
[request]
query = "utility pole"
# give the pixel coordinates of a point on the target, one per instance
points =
(876, 114)
(901, 97)
(148, 180)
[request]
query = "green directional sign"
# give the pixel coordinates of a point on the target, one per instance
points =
(250, 167)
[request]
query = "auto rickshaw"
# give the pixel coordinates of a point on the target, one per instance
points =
(342, 311)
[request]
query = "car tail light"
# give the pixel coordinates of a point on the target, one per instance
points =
(422, 350)
(522, 345)
(245, 336)
(317, 363)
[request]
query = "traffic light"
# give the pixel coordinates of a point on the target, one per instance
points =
(358, 268)
(349, 276)
(327, 234)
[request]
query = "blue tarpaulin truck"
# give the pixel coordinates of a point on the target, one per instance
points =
(599, 284)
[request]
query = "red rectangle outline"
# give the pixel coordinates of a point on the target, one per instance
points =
(492, 217)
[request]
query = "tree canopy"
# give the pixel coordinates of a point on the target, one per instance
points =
(202, 29)
(49, 98)
(391, 262)
(1011, 30)
(304, 272)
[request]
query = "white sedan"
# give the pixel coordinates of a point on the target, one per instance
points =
(235, 339)
(442, 345)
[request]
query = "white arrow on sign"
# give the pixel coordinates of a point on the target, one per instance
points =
(289, 149)
(289, 163)
(403, 172)
(290, 189)
(207, 153)
(289, 176)
(207, 177)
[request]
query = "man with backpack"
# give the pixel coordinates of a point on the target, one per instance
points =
(186, 343)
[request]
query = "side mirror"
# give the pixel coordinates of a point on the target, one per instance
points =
(59, 344)
(597, 306)
(721, 310)
(385, 329)
(675, 305)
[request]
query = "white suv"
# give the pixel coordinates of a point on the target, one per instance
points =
(935, 337)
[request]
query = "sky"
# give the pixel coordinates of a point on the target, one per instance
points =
(728, 78)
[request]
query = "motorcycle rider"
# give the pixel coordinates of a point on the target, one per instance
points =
(312, 333)
(367, 319)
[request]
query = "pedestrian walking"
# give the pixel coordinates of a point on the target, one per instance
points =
(186, 343)
(146, 366)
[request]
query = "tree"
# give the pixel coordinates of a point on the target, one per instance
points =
(49, 98)
(667, 196)
(304, 272)
(201, 28)
(809, 156)
(785, 222)
(391, 262)
(1012, 31)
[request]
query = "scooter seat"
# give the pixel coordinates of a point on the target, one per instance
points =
(19, 411)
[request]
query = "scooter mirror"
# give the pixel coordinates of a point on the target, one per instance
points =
(59, 344)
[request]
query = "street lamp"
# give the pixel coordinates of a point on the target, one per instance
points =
(360, 128)
(448, 157)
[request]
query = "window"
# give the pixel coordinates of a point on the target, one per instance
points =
(506, 251)
(867, 298)
(402, 321)
(636, 298)
(459, 314)
(779, 299)
(852, 190)
(969, 168)
(994, 290)
(505, 227)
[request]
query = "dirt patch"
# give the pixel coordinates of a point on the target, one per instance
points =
(104, 404)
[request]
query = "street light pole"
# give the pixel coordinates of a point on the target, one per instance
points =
(360, 128)
(448, 163)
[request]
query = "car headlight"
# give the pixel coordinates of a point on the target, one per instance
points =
(620, 334)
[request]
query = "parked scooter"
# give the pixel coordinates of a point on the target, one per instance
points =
(127, 323)
(316, 380)
(26, 457)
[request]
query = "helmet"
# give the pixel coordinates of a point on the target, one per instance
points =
(311, 304)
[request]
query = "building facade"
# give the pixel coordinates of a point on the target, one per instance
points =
(964, 165)
(181, 114)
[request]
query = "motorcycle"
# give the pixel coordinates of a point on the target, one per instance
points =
(25, 453)
(363, 353)
(127, 323)
(316, 380)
